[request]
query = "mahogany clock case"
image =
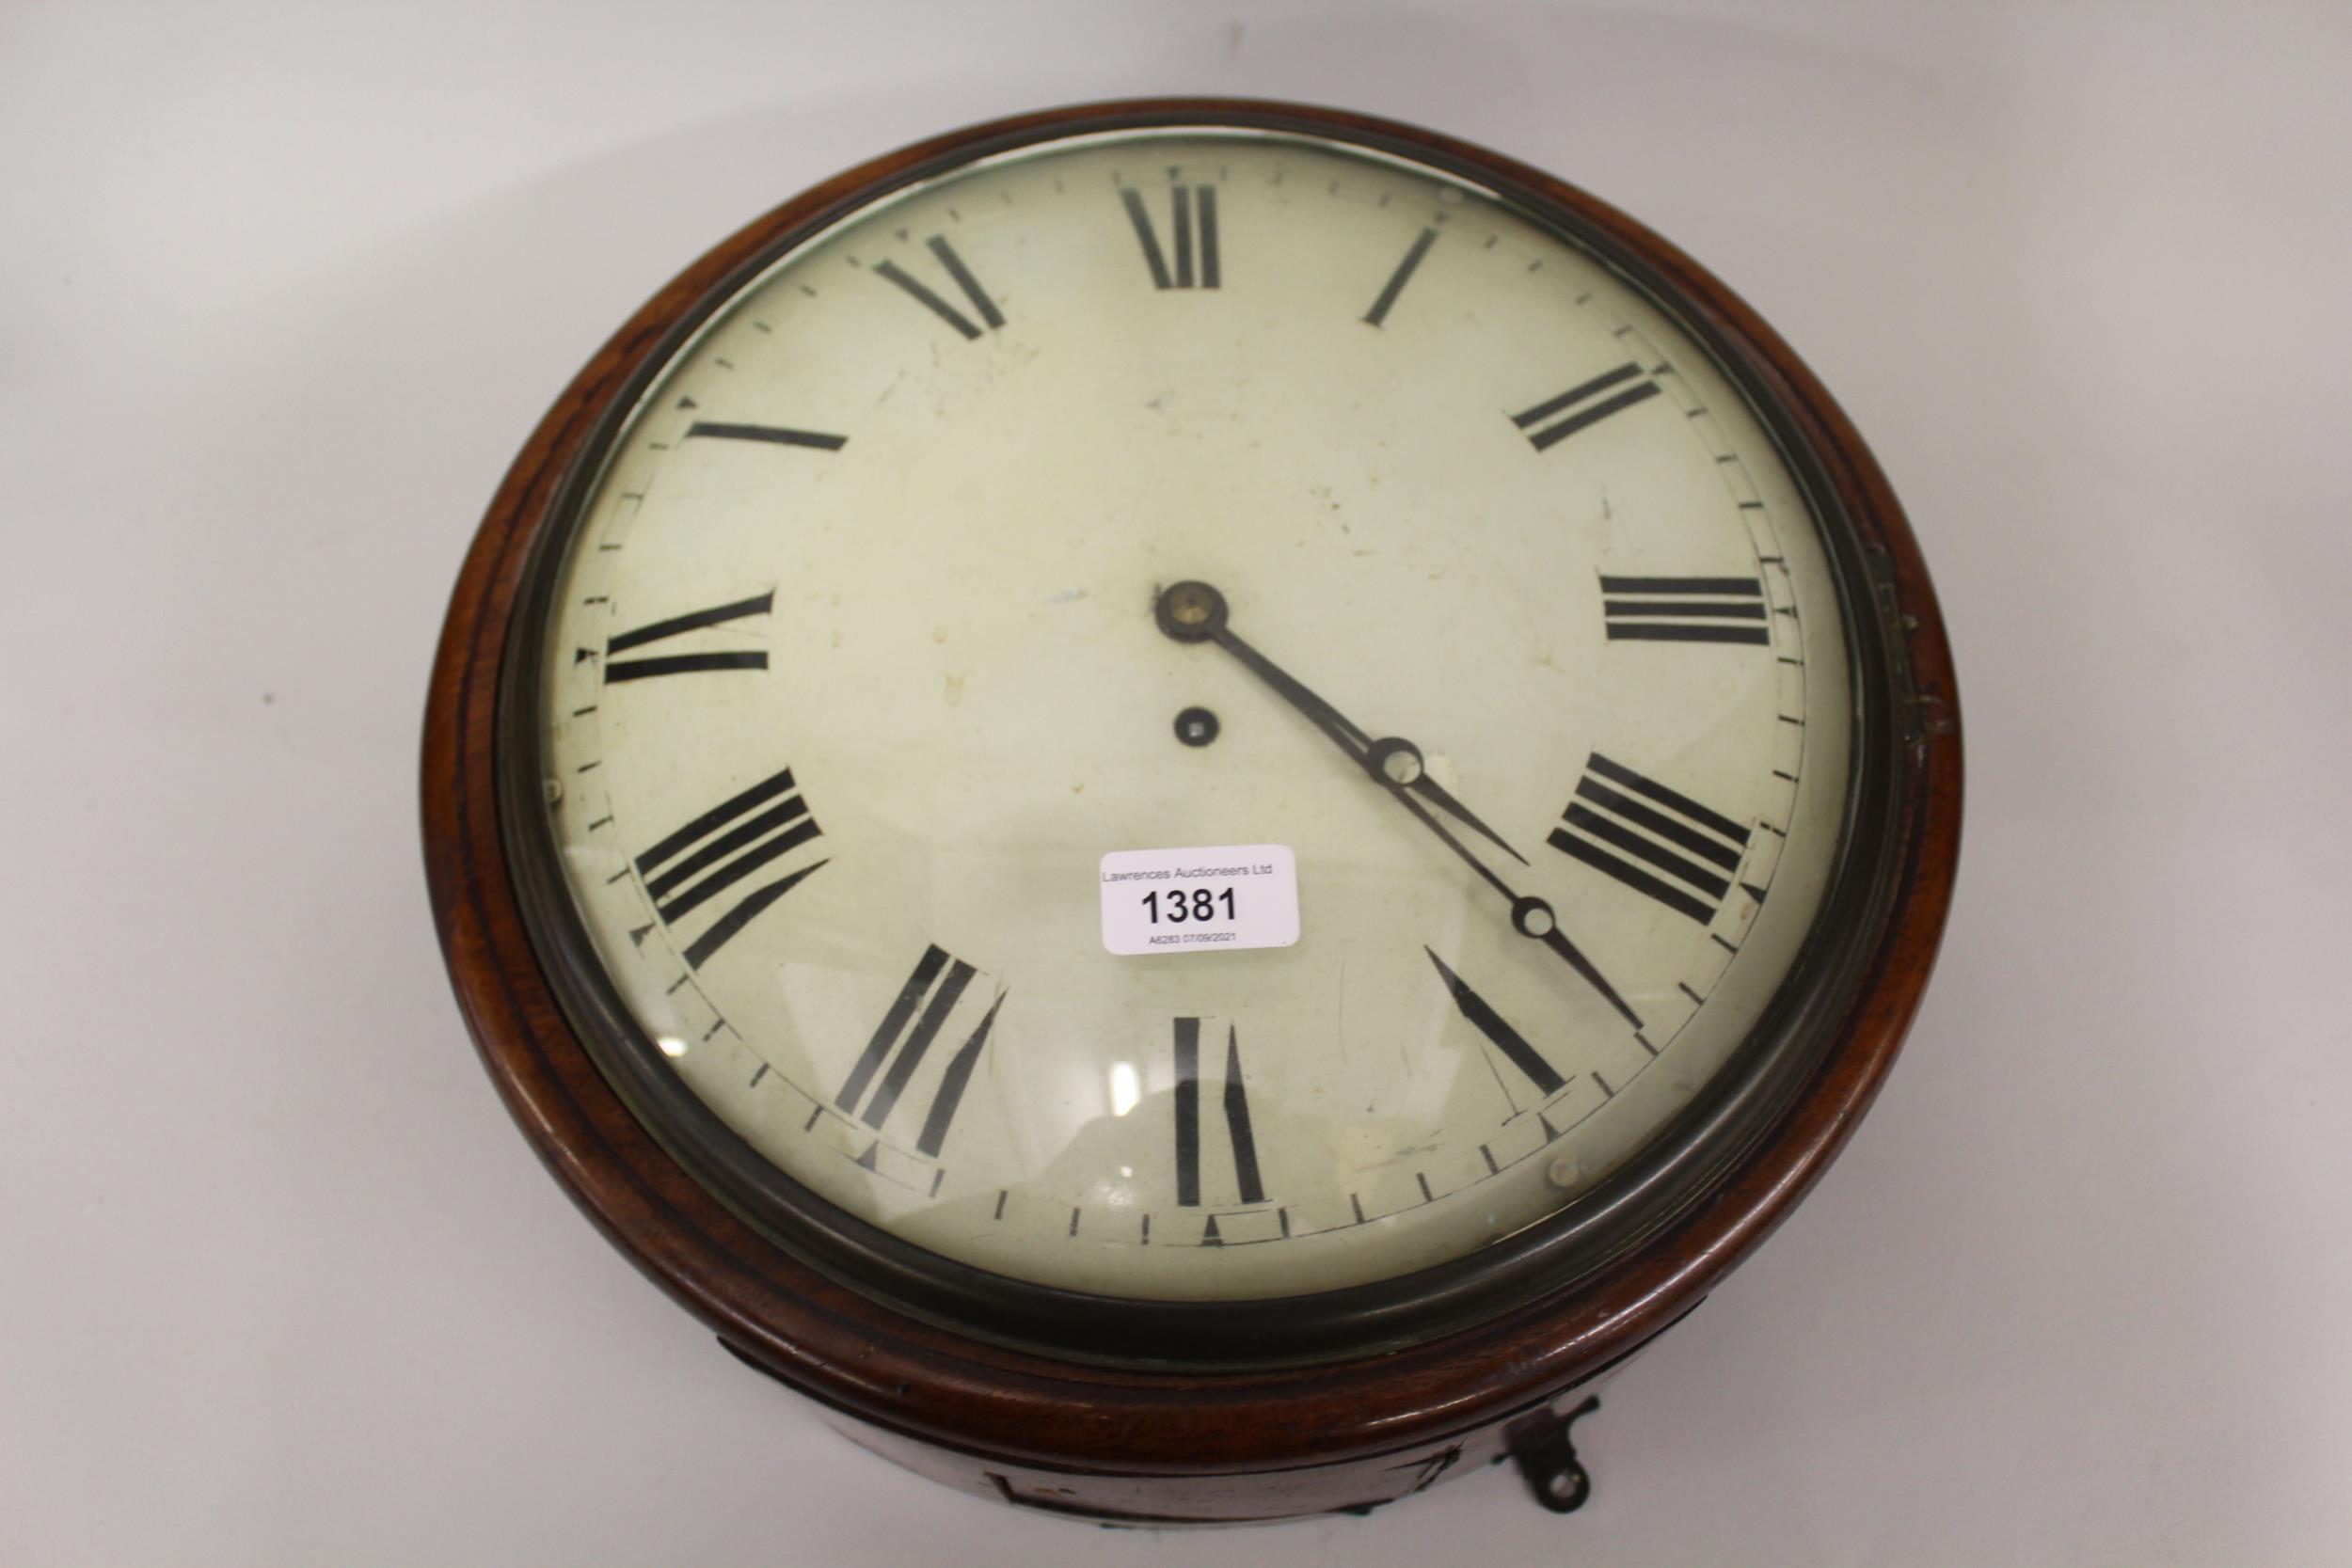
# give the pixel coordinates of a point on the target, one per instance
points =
(1168, 1397)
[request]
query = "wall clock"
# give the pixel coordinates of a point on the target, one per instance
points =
(1192, 803)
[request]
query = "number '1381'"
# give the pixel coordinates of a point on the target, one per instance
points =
(1178, 905)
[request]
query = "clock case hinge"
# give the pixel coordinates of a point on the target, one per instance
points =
(1916, 716)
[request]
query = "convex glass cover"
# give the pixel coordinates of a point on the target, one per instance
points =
(1157, 490)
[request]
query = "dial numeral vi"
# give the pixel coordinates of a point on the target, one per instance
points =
(1237, 1128)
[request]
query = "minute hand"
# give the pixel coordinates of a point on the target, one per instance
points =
(1196, 612)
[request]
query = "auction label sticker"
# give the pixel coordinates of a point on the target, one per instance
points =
(1213, 900)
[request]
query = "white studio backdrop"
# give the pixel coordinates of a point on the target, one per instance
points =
(283, 288)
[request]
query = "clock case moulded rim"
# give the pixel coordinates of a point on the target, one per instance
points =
(843, 1310)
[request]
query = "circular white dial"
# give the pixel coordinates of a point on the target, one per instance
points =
(861, 659)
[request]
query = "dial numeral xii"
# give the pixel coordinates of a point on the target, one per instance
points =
(1192, 237)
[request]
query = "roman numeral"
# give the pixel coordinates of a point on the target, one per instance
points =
(1397, 279)
(1507, 1040)
(935, 994)
(1183, 202)
(1619, 818)
(1595, 406)
(773, 434)
(1684, 610)
(680, 664)
(1188, 1101)
(964, 279)
(720, 848)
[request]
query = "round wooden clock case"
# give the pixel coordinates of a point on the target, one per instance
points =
(1362, 1402)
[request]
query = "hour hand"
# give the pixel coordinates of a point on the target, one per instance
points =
(1196, 612)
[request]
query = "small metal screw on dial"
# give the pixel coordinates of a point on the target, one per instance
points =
(1197, 726)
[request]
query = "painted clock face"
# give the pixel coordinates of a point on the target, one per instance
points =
(1178, 491)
